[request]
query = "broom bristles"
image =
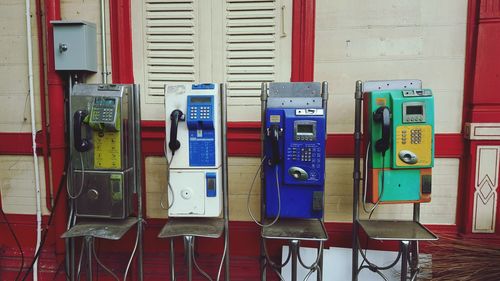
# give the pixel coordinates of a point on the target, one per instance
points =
(458, 259)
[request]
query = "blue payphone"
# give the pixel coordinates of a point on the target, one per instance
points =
(294, 150)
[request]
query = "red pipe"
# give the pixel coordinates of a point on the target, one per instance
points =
(57, 144)
(41, 71)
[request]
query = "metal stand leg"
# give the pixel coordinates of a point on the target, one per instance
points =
(172, 260)
(88, 246)
(70, 258)
(188, 248)
(294, 247)
(404, 259)
(140, 254)
(414, 259)
(319, 275)
(263, 262)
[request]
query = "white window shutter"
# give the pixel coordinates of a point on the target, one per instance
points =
(251, 32)
(171, 40)
(240, 42)
(254, 33)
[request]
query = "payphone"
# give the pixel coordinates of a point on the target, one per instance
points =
(193, 150)
(102, 147)
(294, 150)
(399, 135)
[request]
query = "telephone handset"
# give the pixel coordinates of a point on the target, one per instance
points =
(175, 117)
(81, 144)
(383, 115)
(274, 134)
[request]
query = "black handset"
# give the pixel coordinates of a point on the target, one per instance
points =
(383, 115)
(81, 144)
(274, 134)
(175, 117)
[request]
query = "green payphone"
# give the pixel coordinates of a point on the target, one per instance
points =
(399, 137)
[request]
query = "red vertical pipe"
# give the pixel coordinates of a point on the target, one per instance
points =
(121, 41)
(41, 70)
(57, 143)
(303, 38)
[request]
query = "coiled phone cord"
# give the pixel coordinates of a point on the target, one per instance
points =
(277, 191)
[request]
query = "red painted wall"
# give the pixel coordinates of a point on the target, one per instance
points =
(481, 102)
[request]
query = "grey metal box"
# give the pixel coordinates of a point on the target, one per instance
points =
(75, 46)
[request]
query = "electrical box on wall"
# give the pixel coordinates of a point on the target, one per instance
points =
(75, 46)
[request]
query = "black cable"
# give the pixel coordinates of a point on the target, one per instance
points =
(51, 217)
(17, 243)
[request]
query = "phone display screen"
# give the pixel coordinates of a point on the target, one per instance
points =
(414, 110)
(200, 99)
(305, 129)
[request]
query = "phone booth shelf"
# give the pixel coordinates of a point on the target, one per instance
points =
(406, 232)
(301, 103)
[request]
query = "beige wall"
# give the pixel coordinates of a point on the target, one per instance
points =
(14, 88)
(17, 184)
(392, 39)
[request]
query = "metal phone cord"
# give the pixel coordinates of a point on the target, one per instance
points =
(169, 186)
(277, 191)
(315, 265)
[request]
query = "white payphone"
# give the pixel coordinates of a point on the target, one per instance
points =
(193, 150)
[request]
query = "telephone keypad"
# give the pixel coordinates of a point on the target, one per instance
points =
(303, 154)
(416, 136)
(306, 154)
(103, 110)
(200, 112)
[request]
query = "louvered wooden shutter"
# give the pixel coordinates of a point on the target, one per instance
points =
(171, 45)
(251, 34)
(251, 46)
